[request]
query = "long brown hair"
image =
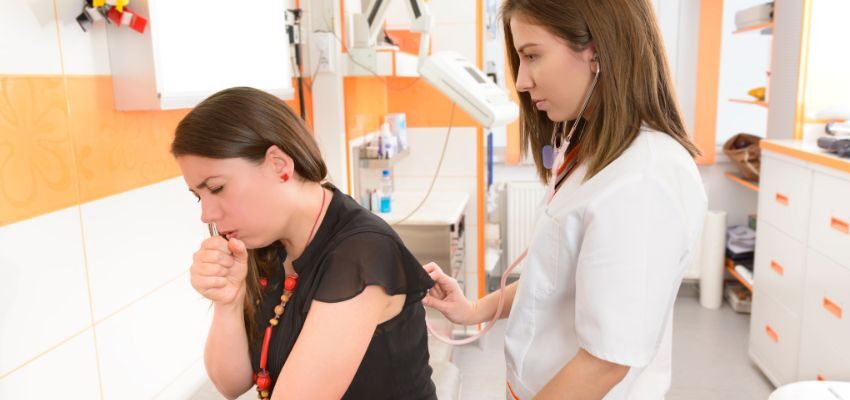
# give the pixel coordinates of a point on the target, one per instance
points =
(634, 85)
(243, 122)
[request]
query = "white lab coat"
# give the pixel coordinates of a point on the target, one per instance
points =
(604, 266)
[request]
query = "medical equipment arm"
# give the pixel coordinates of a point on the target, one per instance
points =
(448, 72)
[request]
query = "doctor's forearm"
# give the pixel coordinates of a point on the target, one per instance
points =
(486, 307)
(584, 377)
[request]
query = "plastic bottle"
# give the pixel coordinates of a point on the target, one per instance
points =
(387, 141)
(374, 200)
(386, 192)
(398, 127)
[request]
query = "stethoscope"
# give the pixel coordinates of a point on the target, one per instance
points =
(554, 155)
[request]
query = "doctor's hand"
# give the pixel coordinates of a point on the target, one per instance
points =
(219, 269)
(447, 297)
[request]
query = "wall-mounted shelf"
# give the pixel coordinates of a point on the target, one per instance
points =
(752, 185)
(765, 28)
(386, 163)
(730, 266)
(753, 102)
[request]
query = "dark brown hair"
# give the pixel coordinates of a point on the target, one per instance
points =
(634, 85)
(243, 122)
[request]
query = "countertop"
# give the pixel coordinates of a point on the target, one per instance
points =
(807, 151)
(441, 208)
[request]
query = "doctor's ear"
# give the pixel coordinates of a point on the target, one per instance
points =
(595, 66)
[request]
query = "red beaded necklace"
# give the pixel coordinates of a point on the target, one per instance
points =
(262, 379)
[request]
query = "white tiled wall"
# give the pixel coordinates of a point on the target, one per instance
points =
(84, 53)
(68, 372)
(149, 325)
(139, 240)
(145, 347)
(43, 292)
(453, 29)
(459, 38)
(38, 52)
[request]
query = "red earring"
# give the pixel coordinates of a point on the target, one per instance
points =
(285, 177)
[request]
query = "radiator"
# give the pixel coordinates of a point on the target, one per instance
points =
(521, 202)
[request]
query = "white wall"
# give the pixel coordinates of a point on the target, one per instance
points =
(827, 77)
(98, 296)
(744, 62)
(95, 301)
(744, 59)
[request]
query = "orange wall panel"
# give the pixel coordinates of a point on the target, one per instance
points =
(424, 105)
(62, 143)
(37, 173)
(117, 151)
(365, 105)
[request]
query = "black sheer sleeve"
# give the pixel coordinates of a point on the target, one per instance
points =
(371, 258)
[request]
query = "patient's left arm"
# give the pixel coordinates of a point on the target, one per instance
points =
(331, 346)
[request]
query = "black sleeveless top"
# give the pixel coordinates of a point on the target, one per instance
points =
(352, 249)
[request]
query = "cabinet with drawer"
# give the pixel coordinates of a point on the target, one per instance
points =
(784, 195)
(779, 267)
(829, 225)
(825, 347)
(800, 323)
(774, 339)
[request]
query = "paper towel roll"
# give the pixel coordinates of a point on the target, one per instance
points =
(712, 256)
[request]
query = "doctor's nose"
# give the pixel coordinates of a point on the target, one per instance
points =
(523, 82)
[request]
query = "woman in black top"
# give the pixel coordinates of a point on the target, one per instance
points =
(313, 296)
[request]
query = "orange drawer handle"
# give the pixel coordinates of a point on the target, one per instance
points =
(782, 199)
(833, 308)
(841, 226)
(771, 333)
(777, 268)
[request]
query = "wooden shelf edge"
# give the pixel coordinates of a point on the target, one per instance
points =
(824, 120)
(754, 186)
(730, 266)
(754, 102)
(758, 27)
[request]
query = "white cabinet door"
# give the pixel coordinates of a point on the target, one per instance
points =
(774, 339)
(825, 339)
(785, 195)
(780, 267)
(829, 226)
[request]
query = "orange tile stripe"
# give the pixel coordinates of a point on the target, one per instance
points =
(708, 73)
(61, 132)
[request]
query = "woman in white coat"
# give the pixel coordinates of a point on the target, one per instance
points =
(591, 315)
